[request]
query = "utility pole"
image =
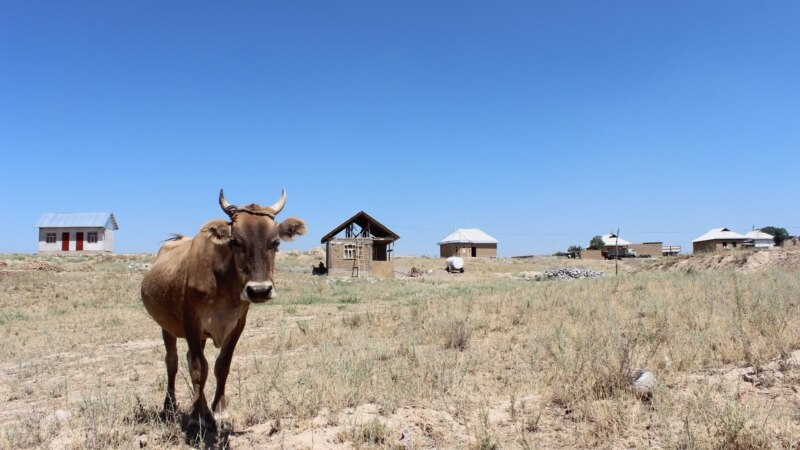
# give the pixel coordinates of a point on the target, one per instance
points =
(616, 251)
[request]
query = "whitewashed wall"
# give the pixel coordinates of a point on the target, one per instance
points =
(763, 243)
(108, 240)
(105, 239)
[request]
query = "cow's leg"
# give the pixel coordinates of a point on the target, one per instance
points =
(170, 342)
(198, 367)
(223, 366)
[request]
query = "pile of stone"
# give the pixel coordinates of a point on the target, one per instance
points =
(139, 266)
(38, 264)
(572, 273)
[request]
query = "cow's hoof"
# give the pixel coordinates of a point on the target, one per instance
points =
(225, 428)
(201, 425)
(168, 415)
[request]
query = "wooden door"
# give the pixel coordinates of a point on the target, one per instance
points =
(79, 241)
(65, 242)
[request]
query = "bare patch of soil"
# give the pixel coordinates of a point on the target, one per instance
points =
(741, 260)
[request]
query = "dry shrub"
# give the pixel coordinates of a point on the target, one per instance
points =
(455, 334)
(714, 420)
(484, 439)
(373, 431)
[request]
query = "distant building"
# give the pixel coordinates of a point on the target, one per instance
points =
(468, 243)
(360, 246)
(611, 240)
(760, 239)
(616, 247)
(613, 246)
(718, 239)
(77, 232)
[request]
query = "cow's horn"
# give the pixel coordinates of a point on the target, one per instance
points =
(229, 209)
(278, 206)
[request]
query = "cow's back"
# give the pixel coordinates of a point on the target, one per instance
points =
(162, 287)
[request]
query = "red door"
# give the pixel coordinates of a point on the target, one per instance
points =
(79, 241)
(65, 242)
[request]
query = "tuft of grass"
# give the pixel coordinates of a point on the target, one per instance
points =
(484, 440)
(456, 334)
(372, 432)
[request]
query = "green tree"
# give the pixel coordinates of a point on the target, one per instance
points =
(779, 234)
(574, 248)
(596, 243)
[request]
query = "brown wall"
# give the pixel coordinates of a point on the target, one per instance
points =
(591, 254)
(339, 266)
(383, 269)
(654, 249)
(715, 245)
(335, 256)
(465, 250)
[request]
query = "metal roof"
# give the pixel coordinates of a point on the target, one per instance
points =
(758, 234)
(468, 236)
(612, 240)
(720, 233)
(80, 220)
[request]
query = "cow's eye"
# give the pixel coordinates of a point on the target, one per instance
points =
(275, 245)
(234, 242)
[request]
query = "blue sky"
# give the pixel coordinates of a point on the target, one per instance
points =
(542, 123)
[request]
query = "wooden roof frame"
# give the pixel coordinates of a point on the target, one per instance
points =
(363, 220)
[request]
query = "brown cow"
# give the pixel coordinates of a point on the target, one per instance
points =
(201, 287)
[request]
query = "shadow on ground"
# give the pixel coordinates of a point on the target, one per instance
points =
(194, 435)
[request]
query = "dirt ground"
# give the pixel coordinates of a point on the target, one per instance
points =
(745, 261)
(81, 366)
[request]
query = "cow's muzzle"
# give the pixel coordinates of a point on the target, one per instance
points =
(258, 291)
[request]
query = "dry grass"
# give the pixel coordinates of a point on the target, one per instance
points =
(487, 359)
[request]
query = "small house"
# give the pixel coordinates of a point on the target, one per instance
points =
(360, 246)
(87, 232)
(468, 243)
(759, 239)
(615, 247)
(718, 239)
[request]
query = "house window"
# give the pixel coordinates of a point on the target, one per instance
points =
(51, 238)
(91, 237)
(349, 251)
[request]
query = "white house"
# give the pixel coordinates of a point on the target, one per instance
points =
(760, 239)
(77, 232)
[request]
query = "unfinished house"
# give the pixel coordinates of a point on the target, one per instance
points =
(360, 247)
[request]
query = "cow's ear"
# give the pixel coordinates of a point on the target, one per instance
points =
(291, 227)
(210, 254)
(219, 232)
